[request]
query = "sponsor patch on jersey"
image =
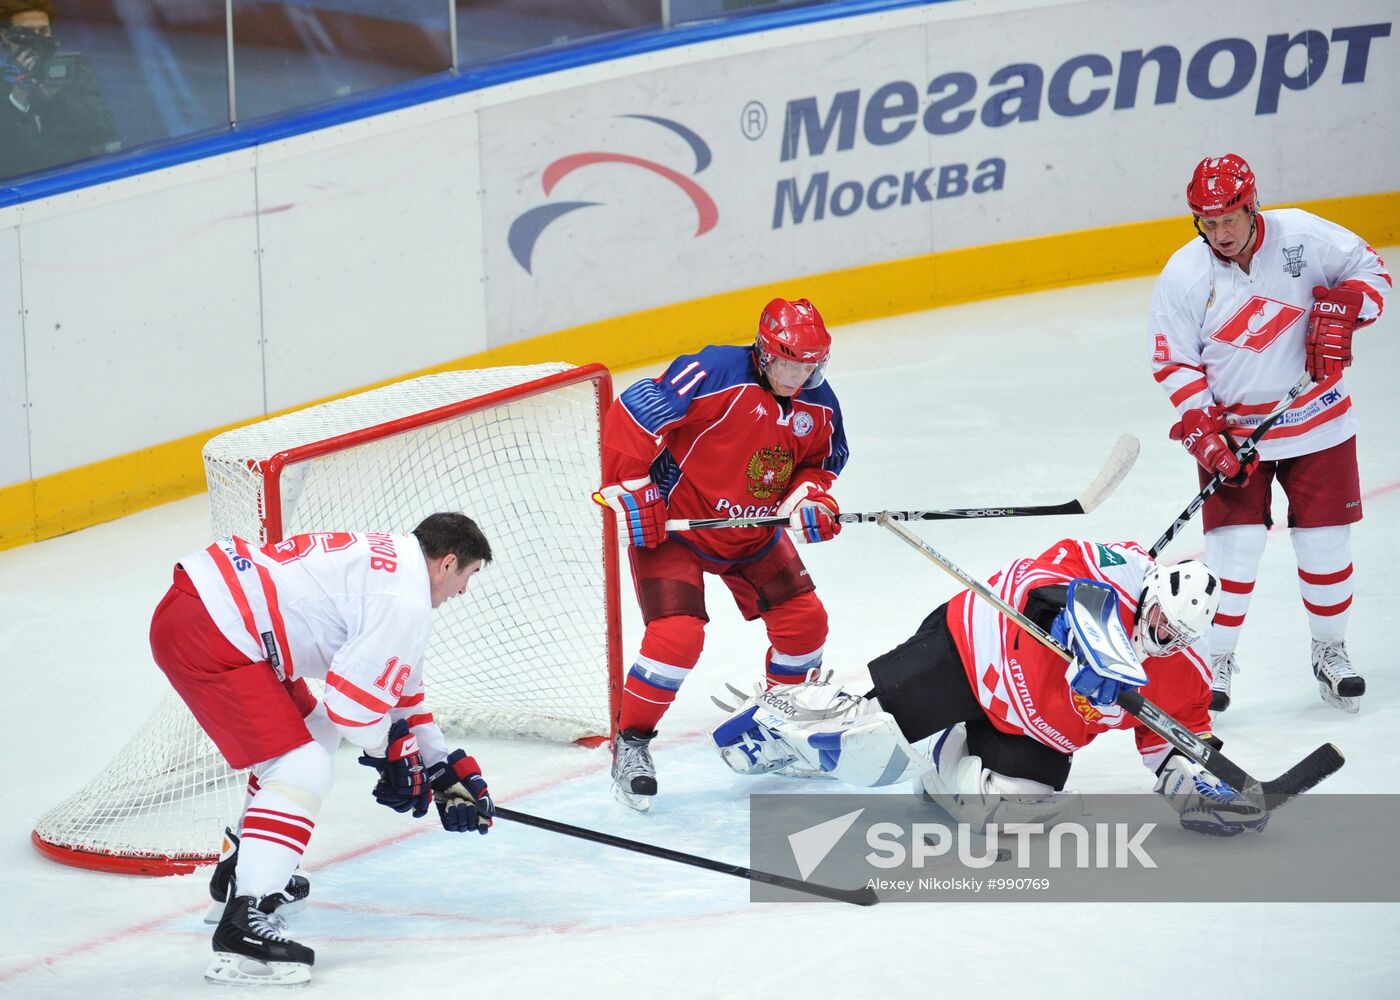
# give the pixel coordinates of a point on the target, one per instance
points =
(802, 423)
(1085, 708)
(1257, 324)
(769, 471)
(1293, 261)
(1107, 557)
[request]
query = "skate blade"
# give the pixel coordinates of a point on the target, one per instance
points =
(1351, 706)
(228, 969)
(641, 803)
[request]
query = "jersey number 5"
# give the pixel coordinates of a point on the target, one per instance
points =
(299, 546)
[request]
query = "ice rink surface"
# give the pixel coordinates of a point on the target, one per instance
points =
(1012, 401)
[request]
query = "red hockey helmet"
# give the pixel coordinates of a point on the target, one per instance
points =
(1220, 185)
(793, 332)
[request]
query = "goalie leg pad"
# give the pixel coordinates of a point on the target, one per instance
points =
(817, 728)
(973, 794)
(748, 748)
(870, 752)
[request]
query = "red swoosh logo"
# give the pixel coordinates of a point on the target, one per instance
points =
(704, 204)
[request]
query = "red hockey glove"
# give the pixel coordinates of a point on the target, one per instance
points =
(641, 509)
(1203, 434)
(1330, 327)
(463, 800)
(812, 513)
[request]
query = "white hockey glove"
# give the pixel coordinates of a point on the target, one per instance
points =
(812, 513)
(1206, 804)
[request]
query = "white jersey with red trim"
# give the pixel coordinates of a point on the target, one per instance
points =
(1221, 336)
(1024, 687)
(351, 610)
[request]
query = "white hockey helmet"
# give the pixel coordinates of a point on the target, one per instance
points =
(1177, 606)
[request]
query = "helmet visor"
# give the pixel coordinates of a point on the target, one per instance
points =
(786, 372)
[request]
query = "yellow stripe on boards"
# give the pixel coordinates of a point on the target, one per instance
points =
(78, 498)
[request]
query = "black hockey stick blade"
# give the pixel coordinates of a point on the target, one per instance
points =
(864, 896)
(1322, 763)
(1120, 459)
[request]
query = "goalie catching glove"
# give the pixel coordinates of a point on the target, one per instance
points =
(1204, 803)
(811, 512)
(463, 800)
(641, 510)
(403, 777)
(1334, 316)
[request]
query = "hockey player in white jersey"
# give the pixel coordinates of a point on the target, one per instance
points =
(237, 635)
(1236, 318)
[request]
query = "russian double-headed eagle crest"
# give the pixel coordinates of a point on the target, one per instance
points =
(769, 472)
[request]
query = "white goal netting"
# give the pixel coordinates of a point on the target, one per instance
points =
(531, 651)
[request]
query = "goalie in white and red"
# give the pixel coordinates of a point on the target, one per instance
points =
(238, 633)
(1004, 713)
(1236, 318)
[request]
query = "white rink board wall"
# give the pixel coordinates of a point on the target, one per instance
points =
(165, 304)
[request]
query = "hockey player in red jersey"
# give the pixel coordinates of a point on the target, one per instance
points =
(729, 431)
(237, 634)
(1236, 319)
(1008, 713)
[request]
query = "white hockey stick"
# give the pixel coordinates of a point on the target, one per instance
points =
(1120, 460)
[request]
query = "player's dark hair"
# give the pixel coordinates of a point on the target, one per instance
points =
(9, 8)
(445, 532)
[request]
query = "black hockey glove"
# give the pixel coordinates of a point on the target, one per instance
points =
(463, 800)
(403, 777)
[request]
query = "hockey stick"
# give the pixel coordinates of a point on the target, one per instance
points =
(1244, 454)
(1313, 768)
(1120, 460)
(864, 896)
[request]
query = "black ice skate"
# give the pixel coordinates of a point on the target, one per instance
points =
(1223, 667)
(633, 771)
(1340, 685)
(288, 902)
(250, 948)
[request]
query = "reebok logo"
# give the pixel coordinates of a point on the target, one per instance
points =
(1257, 324)
(811, 846)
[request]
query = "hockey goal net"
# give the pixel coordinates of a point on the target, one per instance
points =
(534, 650)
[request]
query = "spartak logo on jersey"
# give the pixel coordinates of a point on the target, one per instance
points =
(769, 471)
(1258, 324)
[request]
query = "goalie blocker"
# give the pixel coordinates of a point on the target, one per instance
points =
(1002, 711)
